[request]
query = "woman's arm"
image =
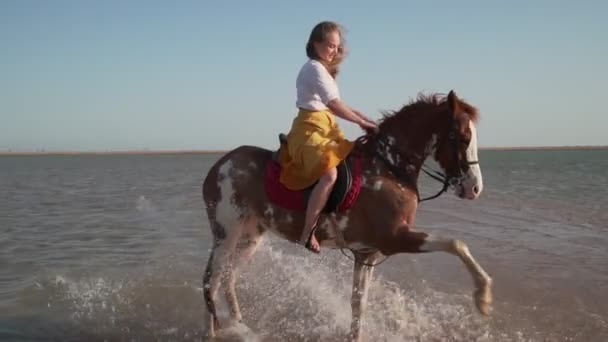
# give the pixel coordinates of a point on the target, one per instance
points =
(342, 110)
(362, 116)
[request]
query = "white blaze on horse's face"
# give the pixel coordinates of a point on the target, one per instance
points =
(472, 182)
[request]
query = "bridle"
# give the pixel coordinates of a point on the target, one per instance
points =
(406, 176)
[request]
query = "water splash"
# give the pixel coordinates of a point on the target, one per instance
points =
(295, 297)
(89, 297)
(144, 205)
(285, 294)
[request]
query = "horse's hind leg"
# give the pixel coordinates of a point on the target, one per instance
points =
(223, 246)
(248, 241)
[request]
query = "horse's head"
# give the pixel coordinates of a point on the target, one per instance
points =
(430, 125)
(456, 148)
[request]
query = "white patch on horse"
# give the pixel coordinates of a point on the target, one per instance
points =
(239, 172)
(269, 217)
(268, 221)
(386, 150)
(472, 179)
(365, 181)
(326, 222)
(434, 244)
(342, 224)
(227, 211)
(268, 212)
(253, 165)
(374, 170)
(331, 231)
(472, 156)
(333, 224)
(289, 218)
(389, 157)
(377, 185)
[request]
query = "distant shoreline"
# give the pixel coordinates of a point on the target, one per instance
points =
(548, 148)
(117, 152)
(161, 152)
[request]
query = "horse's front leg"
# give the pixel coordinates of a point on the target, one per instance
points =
(483, 282)
(408, 241)
(362, 276)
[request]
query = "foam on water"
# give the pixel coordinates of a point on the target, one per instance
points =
(284, 294)
(294, 297)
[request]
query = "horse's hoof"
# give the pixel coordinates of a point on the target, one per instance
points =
(483, 300)
(484, 308)
(208, 335)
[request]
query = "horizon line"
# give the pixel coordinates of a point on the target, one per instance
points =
(10, 152)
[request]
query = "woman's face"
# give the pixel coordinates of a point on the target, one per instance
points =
(328, 49)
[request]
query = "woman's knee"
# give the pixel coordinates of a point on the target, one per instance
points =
(330, 176)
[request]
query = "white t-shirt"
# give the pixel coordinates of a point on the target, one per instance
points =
(315, 86)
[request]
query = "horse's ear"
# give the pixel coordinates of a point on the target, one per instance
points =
(453, 101)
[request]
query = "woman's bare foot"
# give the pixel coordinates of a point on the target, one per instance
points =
(312, 244)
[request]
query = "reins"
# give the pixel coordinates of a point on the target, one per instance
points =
(405, 177)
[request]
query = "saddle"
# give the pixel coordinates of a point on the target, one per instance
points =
(342, 196)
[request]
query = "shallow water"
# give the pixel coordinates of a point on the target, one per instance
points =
(113, 247)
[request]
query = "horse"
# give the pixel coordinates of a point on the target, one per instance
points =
(378, 222)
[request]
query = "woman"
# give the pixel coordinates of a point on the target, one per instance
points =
(315, 143)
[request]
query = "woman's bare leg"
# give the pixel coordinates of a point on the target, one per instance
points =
(316, 202)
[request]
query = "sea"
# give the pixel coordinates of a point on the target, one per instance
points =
(113, 247)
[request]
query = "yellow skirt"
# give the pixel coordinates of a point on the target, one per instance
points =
(315, 144)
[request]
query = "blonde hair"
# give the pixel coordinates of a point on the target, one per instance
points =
(317, 35)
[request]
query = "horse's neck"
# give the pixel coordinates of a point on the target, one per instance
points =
(406, 154)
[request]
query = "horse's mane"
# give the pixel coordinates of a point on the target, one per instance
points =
(423, 103)
(426, 102)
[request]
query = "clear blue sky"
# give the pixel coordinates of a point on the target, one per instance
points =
(98, 75)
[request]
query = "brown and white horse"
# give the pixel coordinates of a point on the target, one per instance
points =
(379, 223)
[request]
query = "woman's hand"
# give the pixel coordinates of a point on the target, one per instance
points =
(368, 125)
(363, 117)
(352, 115)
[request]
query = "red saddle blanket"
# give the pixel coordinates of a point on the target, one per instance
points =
(342, 197)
